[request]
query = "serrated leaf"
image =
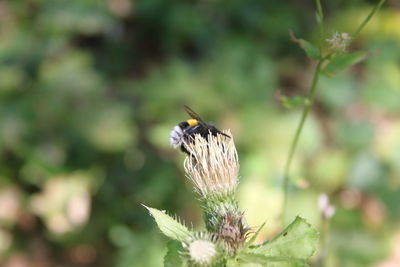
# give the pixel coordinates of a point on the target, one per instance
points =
(173, 258)
(292, 102)
(169, 226)
(252, 258)
(297, 242)
(343, 61)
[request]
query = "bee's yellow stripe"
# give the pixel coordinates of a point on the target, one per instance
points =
(192, 122)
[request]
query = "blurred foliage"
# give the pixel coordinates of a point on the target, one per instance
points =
(89, 91)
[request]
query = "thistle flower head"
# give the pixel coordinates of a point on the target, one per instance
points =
(339, 41)
(213, 168)
(213, 164)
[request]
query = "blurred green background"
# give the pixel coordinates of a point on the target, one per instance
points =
(89, 91)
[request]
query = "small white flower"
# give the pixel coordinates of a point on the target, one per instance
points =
(339, 41)
(330, 211)
(323, 201)
(202, 251)
(325, 208)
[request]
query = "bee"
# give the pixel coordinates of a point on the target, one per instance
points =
(184, 132)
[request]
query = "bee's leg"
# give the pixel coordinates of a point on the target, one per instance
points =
(214, 131)
(183, 149)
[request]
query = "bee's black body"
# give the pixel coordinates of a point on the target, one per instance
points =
(184, 132)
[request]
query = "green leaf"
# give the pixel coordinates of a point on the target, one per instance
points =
(309, 48)
(296, 243)
(173, 258)
(343, 61)
(292, 102)
(252, 258)
(169, 226)
(232, 262)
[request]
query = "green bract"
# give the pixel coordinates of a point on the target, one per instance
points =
(169, 226)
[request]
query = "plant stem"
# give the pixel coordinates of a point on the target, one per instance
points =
(311, 95)
(306, 110)
(324, 243)
(368, 18)
(320, 20)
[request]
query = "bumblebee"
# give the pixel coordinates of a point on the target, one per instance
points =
(184, 132)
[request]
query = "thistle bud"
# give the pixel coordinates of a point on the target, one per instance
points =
(201, 249)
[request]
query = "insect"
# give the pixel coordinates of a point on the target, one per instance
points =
(184, 132)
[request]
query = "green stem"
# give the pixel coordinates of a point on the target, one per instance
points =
(324, 243)
(321, 25)
(306, 110)
(368, 18)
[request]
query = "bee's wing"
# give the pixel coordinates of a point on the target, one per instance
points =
(195, 116)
